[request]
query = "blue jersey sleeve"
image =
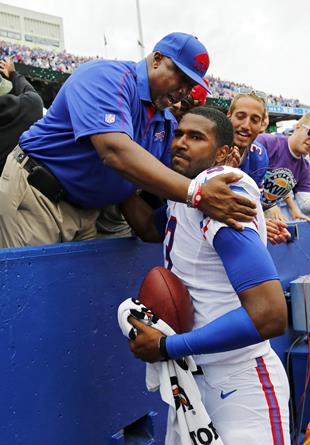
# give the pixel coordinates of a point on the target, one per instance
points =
(256, 163)
(246, 260)
(233, 330)
(99, 97)
(247, 263)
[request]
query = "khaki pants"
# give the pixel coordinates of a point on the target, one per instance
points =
(28, 218)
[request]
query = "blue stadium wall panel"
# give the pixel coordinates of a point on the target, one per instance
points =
(66, 374)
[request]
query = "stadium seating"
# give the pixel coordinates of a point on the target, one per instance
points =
(45, 63)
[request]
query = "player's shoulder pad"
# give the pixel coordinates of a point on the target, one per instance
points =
(211, 172)
(245, 185)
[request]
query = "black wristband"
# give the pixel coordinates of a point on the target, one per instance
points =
(162, 348)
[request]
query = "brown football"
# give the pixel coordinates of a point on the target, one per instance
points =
(165, 294)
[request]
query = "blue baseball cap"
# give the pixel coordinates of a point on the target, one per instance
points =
(190, 55)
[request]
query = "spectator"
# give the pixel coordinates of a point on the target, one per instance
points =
(107, 123)
(20, 106)
(289, 153)
(111, 222)
(247, 113)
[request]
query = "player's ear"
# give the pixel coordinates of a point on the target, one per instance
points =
(222, 154)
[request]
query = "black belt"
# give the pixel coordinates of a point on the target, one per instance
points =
(20, 155)
(40, 177)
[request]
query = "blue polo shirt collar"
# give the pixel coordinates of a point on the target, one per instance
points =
(143, 81)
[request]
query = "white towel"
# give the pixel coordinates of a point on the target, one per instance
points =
(188, 421)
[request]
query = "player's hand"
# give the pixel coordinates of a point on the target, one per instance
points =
(7, 67)
(233, 158)
(221, 203)
(277, 231)
(146, 344)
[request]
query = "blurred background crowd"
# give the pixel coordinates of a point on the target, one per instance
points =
(64, 62)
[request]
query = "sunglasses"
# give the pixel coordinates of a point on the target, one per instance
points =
(261, 94)
(307, 127)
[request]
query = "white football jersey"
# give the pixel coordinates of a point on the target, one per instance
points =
(189, 253)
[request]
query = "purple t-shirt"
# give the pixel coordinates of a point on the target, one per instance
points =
(280, 156)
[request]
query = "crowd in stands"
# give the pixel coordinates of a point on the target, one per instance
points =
(225, 89)
(64, 62)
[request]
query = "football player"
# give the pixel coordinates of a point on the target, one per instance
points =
(237, 296)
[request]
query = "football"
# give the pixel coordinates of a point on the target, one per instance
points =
(168, 298)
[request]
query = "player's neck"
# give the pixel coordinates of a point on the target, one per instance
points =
(292, 149)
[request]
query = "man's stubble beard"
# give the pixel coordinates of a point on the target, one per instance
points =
(158, 105)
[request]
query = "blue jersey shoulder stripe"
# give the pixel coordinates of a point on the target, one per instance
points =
(238, 189)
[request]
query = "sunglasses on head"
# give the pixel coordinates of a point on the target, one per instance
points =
(260, 94)
(307, 127)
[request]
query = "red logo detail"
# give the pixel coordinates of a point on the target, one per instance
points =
(202, 62)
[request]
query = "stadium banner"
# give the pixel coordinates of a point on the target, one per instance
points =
(287, 110)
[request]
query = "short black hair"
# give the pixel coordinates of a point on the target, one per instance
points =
(224, 131)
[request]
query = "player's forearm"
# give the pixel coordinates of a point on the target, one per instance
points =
(248, 325)
(232, 330)
(133, 162)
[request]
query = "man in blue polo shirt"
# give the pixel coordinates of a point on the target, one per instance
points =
(107, 132)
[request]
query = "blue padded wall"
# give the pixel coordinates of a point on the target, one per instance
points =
(66, 374)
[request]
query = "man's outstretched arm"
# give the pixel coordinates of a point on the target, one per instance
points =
(136, 164)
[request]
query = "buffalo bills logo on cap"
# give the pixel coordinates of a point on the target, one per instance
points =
(187, 53)
(202, 62)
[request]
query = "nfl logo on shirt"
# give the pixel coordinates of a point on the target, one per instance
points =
(109, 118)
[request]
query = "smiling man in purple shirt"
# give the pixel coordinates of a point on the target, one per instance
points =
(290, 153)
